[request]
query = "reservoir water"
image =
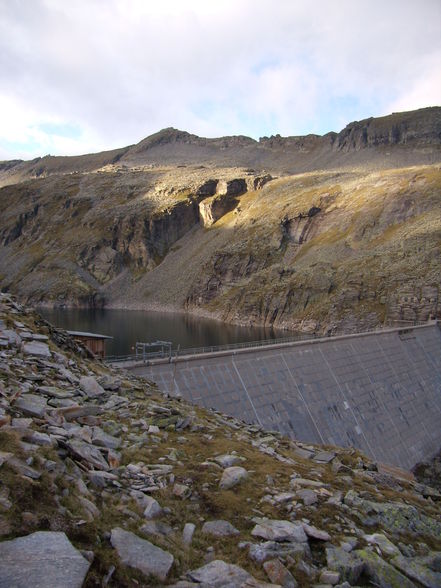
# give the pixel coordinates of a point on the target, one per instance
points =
(129, 326)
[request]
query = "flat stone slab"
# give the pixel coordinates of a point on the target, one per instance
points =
(279, 574)
(41, 560)
(260, 552)
(219, 528)
(276, 530)
(386, 546)
(380, 572)
(55, 392)
(187, 533)
(73, 412)
(31, 405)
(103, 439)
(305, 482)
(22, 468)
(90, 386)
(88, 453)
(37, 348)
(227, 460)
(12, 337)
(349, 565)
(308, 496)
(141, 554)
(152, 508)
(324, 456)
(315, 533)
(218, 573)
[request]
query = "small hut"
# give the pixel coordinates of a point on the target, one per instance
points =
(94, 342)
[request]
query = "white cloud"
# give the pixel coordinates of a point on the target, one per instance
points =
(121, 69)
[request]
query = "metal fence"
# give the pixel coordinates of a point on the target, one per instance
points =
(247, 344)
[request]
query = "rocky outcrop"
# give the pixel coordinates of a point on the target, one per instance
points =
(225, 198)
(429, 472)
(16, 231)
(298, 229)
(421, 127)
(107, 481)
(214, 208)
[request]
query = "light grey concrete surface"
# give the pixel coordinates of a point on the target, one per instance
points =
(379, 392)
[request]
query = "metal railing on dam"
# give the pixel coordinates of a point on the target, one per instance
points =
(379, 391)
(207, 349)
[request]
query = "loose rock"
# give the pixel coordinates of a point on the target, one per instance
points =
(219, 529)
(277, 530)
(141, 554)
(232, 476)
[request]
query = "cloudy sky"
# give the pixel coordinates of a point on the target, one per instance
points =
(79, 76)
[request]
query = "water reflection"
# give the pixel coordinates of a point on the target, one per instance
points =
(129, 326)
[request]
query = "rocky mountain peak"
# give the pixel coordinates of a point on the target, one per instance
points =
(165, 137)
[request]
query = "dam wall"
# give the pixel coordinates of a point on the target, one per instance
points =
(379, 392)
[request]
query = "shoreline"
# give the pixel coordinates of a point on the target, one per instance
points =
(169, 309)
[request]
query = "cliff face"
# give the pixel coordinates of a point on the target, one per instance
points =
(319, 250)
(421, 128)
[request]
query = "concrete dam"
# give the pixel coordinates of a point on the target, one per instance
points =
(379, 392)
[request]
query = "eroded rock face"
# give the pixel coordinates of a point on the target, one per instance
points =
(213, 208)
(301, 228)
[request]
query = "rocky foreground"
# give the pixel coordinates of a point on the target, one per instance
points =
(104, 481)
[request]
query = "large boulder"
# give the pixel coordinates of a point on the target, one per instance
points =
(141, 554)
(41, 560)
(218, 573)
(232, 476)
(279, 530)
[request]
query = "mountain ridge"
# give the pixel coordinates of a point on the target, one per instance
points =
(412, 131)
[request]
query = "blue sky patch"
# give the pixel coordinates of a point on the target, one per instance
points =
(70, 131)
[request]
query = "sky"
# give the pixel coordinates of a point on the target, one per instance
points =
(80, 76)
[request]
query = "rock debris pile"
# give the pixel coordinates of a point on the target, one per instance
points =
(104, 481)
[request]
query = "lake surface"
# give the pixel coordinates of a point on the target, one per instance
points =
(130, 326)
